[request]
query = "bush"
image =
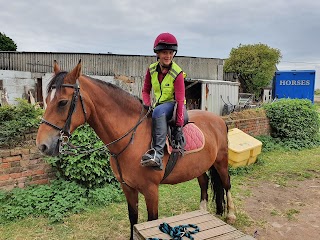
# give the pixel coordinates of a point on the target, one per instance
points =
(295, 122)
(16, 121)
(89, 170)
(55, 201)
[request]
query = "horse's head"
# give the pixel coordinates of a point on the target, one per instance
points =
(64, 113)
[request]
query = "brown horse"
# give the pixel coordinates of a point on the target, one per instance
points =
(122, 123)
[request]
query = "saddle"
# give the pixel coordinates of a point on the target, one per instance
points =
(193, 142)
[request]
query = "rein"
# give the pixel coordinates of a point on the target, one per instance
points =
(65, 130)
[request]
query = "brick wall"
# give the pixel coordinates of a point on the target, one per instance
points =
(253, 126)
(23, 166)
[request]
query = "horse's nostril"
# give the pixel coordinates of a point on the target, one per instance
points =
(42, 148)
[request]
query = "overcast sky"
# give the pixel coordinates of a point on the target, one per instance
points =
(204, 28)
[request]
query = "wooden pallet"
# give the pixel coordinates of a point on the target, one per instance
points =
(210, 227)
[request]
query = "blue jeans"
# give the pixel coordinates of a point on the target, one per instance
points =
(164, 108)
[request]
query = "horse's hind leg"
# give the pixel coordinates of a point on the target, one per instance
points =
(132, 200)
(203, 181)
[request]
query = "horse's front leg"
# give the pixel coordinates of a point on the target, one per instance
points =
(132, 200)
(203, 181)
(151, 196)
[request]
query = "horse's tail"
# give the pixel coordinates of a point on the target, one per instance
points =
(218, 190)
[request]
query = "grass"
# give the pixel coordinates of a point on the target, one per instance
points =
(111, 222)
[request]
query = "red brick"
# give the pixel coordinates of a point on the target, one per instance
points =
(4, 177)
(15, 164)
(11, 159)
(15, 175)
(15, 151)
(4, 165)
(35, 155)
(25, 151)
(33, 161)
(25, 157)
(34, 150)
(24, 163)
(8, 185)
(4, 153)
(40, 181)
(21, 185)
(38, 172)
(27, 173)
(15, 169)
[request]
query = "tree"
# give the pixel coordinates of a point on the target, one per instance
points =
(254, 64)
(6, 43)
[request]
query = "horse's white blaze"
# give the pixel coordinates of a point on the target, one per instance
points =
(52, 93)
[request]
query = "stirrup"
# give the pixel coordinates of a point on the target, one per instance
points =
(149, 160)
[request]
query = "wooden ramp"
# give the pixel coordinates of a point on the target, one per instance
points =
(210, 227)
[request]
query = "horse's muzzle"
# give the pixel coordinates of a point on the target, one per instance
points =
(50, 148)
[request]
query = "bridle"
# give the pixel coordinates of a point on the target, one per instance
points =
(65, 130)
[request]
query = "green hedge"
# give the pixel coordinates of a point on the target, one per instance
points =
(16, 121)
(89, 170)
(294, 121)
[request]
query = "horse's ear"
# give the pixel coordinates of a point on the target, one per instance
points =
(74, 74)
(56, 67)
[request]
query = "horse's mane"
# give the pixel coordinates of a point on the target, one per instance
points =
(122, 94)
(119, 93)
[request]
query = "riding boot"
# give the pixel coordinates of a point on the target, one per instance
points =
(153, 157)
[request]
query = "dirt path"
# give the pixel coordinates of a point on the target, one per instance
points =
(290, 212)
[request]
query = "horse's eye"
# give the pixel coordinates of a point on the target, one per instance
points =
(62, 103)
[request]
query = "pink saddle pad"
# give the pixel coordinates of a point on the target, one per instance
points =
(194, 139)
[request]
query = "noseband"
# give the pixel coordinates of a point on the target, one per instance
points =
(65, 130)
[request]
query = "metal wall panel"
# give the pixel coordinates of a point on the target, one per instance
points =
(212, 91)
(106, 64)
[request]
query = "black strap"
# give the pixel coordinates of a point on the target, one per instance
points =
(171, 163)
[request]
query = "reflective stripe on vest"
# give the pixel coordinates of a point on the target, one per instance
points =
(164, 92)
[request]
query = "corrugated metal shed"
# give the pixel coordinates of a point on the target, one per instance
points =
(128, 72)
(214, 91)
(106, 64)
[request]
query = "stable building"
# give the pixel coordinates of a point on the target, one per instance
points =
(26, 75)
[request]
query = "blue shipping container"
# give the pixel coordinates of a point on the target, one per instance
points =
(294, 84)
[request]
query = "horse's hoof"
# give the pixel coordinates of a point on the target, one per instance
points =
(231, 218)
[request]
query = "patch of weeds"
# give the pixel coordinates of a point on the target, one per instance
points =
(55, 201)
(246, 193)
(291, 213)
(282, 181)
(240, 171)
(243, 220)
(274, 212)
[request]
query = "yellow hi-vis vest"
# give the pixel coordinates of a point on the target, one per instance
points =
(164, 92)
